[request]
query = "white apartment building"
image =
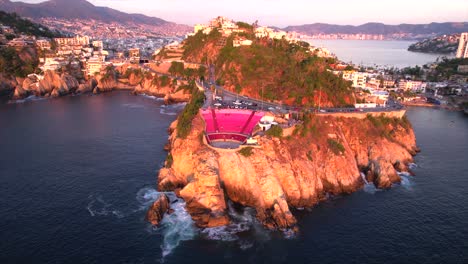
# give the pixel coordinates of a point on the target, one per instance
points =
(414, 86)
(76, 41)
(98, 44)
(241, 42)
(43, 44)
(359, 79)
(51, 64)
(462, 51)
(94, 65)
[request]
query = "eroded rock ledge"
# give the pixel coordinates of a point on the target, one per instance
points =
(295, 171)
(54, 84)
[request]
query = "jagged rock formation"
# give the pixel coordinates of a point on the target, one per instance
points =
(87, 87)
(157, 210)
(284, 173)
(53, 84)
(152, 85)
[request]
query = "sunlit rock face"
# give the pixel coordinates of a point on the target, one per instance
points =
(283, 173)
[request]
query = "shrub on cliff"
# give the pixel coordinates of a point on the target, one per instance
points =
(275, 131)
(177, 68)
(184, 124)
(335, 146)
(384, 125)
(169, 161)
(11, 63)
(246, 152)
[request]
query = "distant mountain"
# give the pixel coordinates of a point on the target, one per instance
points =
(379, 28)
(77, 9)
(24, 26)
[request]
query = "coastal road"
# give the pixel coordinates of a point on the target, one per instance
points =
(271, 106)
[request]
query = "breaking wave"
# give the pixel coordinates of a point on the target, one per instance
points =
(134, 106)
(244, 229)
(406, 180)
(153, 97)
(177, 226)
(369, 187)
(100, 207)
(27, 99)
(171, 109)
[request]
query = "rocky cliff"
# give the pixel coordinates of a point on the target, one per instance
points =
(158, 86)
(322, 156)
(52, 84)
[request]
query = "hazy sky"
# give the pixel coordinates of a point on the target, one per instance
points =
(294, 12)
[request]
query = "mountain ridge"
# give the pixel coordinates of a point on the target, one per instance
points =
(77, 9)
(377, 28)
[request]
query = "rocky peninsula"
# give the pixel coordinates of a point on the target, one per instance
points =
(321, 157)
(444, 44)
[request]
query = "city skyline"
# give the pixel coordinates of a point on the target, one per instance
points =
(296, 12)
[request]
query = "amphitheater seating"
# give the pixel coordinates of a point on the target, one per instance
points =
(226, 137)
(230, 124)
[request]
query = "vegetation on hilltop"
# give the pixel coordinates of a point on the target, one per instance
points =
(195, 46)
(325, 131)
(275, 70)
(18, 64)
(440, 44)
(25, 26)
(448, 67)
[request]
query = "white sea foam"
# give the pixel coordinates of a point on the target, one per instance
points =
(100, 207)
(364, 178)
(406, 180)
(152, 97)
(163, 112)
(289, 234)
(242, 221)
(171, 109)
(27, 99)
(145, 196)
(370, 188)
(135, 106)
(177, 226)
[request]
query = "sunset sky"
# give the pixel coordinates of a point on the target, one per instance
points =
(295, 12)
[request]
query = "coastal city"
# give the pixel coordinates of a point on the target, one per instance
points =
(197, 131)
(92, 55)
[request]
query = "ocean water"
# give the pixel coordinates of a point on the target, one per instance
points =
(78, 173)
(373, 52)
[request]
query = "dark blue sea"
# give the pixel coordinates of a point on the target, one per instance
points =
(78, 173)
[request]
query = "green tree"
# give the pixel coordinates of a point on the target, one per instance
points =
(201, 72)
(177, 68)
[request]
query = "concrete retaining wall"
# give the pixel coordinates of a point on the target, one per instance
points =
(362, 115)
